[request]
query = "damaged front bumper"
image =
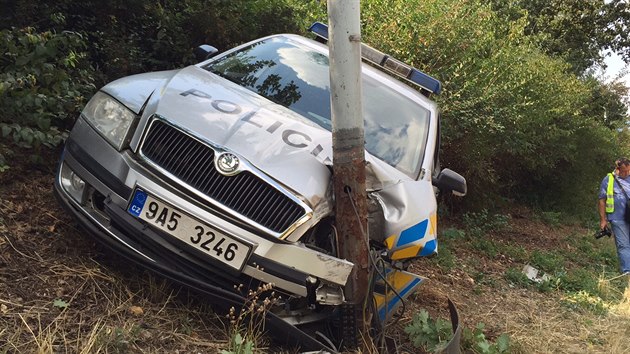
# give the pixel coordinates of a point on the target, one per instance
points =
(110, 179)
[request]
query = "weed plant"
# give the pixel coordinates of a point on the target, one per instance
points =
(247, 324)
(433, 335)
(516, 277)
(549, 262)
(445, 259)
(551, 218)
(480, 223)
(452, 234)
(583, 300)
(486, 246)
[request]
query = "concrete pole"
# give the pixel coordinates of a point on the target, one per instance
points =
(349, 146)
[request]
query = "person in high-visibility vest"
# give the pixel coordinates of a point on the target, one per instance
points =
(612, 209)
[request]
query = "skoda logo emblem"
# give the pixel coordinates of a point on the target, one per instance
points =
(227, 163)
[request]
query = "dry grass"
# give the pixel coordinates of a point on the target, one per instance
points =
(59, 292)
(536, 322)
(547, 327)
(110, 313)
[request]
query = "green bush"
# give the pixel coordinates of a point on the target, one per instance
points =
(516, 252)
(44, 82)
(517, 278)
(430, 334)
(516, 122)
(549, 262)
(453, 234)
(585, 300)
(475, 341)
(55, 54)
(128, 37)
(550, 218)
(445, 258)
(579, 280)
(482, 222)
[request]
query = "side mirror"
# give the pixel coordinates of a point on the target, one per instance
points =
(451, 181)
(204, 52)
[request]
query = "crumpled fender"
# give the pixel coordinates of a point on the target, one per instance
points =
(409, 208)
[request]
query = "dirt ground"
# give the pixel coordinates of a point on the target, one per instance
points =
(62, 292)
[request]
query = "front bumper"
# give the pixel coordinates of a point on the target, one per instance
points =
(110, 178)
(180, 272)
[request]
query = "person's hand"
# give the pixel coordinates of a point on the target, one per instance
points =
(603, 224)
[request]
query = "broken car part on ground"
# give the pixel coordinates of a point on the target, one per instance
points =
(218, 175)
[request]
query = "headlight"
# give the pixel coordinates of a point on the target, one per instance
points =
(110, 118)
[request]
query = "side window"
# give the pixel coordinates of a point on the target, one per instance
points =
(438, 141)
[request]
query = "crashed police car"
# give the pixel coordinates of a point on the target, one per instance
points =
(219, 175)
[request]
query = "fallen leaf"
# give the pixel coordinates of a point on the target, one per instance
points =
(4, 308)
(145, 335)
(60, 304)
(136, 310)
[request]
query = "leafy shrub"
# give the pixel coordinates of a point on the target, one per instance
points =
(486, 246)
(587, 301)
(477, 342)
(516, 277)
(28, 137)
(516, 122)
(549, 262)
(445, 258)
(516, 252)
(430, 334)
(128, 37)
(579, 280)
(5, 154)
(482, 222)
(44, 79)
(453, 234)
(550, 218)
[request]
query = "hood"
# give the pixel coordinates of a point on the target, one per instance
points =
(286, 146)
(133, 91)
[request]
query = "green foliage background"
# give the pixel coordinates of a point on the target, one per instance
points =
(522, 122)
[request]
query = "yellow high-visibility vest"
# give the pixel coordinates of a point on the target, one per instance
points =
(610, 200)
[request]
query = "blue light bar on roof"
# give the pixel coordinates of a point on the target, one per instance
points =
(385, 61)
(320, 29)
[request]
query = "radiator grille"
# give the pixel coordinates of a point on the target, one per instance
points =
(192, 162)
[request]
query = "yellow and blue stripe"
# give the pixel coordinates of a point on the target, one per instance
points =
(415, 241)
(387, 301)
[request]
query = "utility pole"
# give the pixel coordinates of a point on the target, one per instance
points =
(349, 151)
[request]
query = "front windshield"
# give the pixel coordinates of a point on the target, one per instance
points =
(297, 77)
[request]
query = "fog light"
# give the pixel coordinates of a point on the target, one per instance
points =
(72, 184)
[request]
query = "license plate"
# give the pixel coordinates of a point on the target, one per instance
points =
(200, 235)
